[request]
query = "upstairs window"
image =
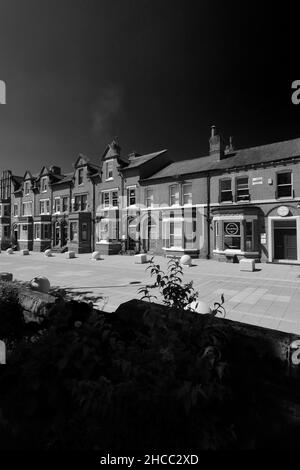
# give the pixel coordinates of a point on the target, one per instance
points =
(131, 198)
(242, 189)
(57, 204)
(187, 197)
(284, 184)
(225, 191)
(44, 184)
(115, 198)
(26, 187)
(65, 204)
(80, 176)
(16, 210)
(174, 195)
(149, 197)
(106, 199)
(80, 203)
(27, 208)
(45, 207)
(109, 170)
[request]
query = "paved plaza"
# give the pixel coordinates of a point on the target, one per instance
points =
(268, 297)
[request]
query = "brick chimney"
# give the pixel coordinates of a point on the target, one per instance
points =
(216, 145)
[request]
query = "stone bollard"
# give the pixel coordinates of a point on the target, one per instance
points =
(6, 277)
(186, 260)
(96, 255)
(140, 259)
(199, 306)
(9, 251)
(2, 353)
(70, 254)
(24, 252)
(40, 283)
(48, 253)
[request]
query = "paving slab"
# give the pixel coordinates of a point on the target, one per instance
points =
(268, 297)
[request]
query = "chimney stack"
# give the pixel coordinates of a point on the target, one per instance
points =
(216, 145)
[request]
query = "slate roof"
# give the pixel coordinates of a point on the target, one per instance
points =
(66, 178)
(138, 161)
(239, 158)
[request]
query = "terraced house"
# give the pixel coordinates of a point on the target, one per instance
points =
(225, 205)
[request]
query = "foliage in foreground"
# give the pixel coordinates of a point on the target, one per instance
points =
(130, 380)
(174, 293)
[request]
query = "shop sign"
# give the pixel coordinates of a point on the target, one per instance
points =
(258, 180)
(232, 228)
(283, 211)
(263, 238)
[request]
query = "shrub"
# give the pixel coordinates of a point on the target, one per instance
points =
(11, 317)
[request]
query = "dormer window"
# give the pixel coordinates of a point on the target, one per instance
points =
(109, 170)
(80, 176)
(44, 184)
(26, 187)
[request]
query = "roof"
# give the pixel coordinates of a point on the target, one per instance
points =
(239, 158)
(66, 178)
(138, 161)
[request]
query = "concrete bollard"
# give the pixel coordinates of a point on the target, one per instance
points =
(186, 260)
(70, 254)
(9, 251)
(140, 259)
(24, 252)
(96, 255)
(48, 253)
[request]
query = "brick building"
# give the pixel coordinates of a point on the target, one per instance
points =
(225, 205)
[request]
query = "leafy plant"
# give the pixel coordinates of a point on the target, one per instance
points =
(174, 292)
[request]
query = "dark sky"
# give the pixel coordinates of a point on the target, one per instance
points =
(155, 73)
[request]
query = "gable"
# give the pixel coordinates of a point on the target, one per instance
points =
(82, 160)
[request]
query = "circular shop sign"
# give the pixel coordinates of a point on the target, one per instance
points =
(232, 228)
(283, 211)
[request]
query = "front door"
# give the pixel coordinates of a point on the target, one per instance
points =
(64, 232)
(285, 240)
(56, 234)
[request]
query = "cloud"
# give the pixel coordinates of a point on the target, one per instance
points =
(107, 107)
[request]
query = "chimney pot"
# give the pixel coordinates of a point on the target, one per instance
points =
(213, 131)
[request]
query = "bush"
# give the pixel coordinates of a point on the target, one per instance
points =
(11, 317)
(131, 380)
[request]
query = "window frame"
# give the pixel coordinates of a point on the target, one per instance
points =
(173, 196)
(221, 191)
(278, 173)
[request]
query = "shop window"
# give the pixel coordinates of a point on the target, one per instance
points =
(176, 234)
(284, 184)
(225, 191)
(37, 231)
(187, 197)
(242, 189)
(189, 233)
(73, 231)
(102, 230)
(249, 236)
(84, 232)
(174, 195)
(232, 235)
(149, 197)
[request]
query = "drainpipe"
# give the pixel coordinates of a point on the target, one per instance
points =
(208, 215)
(93, 218)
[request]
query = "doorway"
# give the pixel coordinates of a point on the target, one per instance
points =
(285, 240)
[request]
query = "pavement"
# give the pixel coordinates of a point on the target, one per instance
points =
(268, 297)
